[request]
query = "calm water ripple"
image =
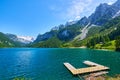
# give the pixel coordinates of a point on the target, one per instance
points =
(47, 64)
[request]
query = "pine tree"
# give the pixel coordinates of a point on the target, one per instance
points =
(118, 43)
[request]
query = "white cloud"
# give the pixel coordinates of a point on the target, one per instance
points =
(110, 3)
(77, 17)
(70, 20)
(76, 8)
(71, 9)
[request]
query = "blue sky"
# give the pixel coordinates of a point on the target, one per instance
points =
(33, 17)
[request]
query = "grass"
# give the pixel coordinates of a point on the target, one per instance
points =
(108, 45)
(113, 78)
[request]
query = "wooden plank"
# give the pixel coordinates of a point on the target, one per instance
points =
(94, 68)
(70, 67)
(98, 73)
(89, 63)
(91, 69)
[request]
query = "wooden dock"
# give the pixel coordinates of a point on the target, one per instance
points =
(89, 63)
(95, 68)
(98, 73)
(70, 68)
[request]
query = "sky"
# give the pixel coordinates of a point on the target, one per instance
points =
(33, 17)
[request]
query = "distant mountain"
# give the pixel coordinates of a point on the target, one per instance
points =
(20, 39)
(117, 14)
(77, 31)
(70, 23)
(100, 27)
(106, 37)
(97, 17)
(104, 13)
(56, 28)
(83, 21)
(65, 33)
(6, 42)
(117, 3)
(25, 39)
(45, 36)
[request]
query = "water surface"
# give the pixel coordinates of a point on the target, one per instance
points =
(47, 64)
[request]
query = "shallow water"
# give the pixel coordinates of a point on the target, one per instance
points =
(47, 64)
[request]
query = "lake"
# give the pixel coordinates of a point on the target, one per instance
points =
(47, 64)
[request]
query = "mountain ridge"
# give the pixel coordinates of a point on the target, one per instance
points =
(20, 39)
(102, 14)
(79, 33)
(70, 35)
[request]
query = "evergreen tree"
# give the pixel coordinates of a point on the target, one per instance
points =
(106, 38)
(118, 43)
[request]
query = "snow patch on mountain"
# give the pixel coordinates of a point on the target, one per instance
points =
(71, 22)
(117, 14)
(25, 39)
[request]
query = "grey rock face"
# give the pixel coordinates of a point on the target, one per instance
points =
(104, 12)
(83, 21)
(44, 37)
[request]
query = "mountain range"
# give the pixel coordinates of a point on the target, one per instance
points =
(79, 29)
(12, 40)
(20, 39)
(102, 24)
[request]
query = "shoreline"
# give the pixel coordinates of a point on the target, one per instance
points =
(84, 47)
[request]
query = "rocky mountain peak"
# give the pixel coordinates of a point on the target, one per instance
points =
(102, 7)
(83, 21)
(99, 12)
(21, 39)
(117, 3)
(70, 23)
(104, 13)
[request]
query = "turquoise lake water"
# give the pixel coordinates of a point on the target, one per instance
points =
(47, 64)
